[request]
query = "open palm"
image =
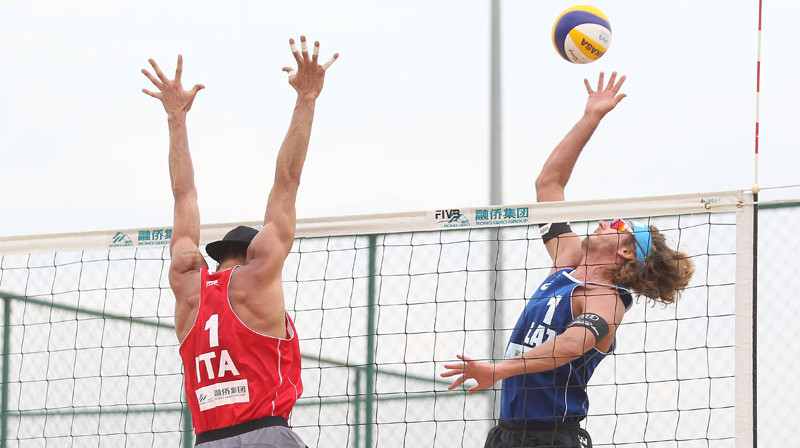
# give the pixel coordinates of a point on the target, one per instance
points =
(175, 99)
(309, 76)
(482, 372)
(605, 98)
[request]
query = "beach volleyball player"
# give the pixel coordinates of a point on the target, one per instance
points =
(568, 325)
(239, 347)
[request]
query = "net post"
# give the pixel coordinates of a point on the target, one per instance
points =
(6, 351)
(370, 368)
(755, 318)
(745, 327)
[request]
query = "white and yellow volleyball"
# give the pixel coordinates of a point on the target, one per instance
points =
(581, 34)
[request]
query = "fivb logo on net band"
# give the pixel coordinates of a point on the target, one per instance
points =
(498, 216)
(451, 218)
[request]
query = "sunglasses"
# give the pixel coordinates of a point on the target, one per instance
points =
(621, 225)
(627, 226)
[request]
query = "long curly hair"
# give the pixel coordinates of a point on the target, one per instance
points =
(662, 277)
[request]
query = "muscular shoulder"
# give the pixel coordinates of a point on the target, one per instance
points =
(258, 303)
(186, 288)
(184, 284)
(252, 278)
(186, 264)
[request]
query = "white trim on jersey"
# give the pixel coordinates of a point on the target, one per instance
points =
(295, 390)
(618, 288)
(566, 389)
(280, 378)
(286, 315)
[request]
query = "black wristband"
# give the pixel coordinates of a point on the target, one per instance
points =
(553, 230)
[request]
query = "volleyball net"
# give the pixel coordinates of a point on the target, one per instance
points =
(381, 302)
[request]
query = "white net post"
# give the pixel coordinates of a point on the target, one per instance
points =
(745, 418)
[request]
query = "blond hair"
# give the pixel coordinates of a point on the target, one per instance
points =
(662, 276)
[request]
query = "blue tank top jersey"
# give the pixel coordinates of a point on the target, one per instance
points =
(557, 395)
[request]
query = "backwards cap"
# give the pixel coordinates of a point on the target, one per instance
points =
(240, 237)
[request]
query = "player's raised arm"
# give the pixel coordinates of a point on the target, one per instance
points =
(561, 243)
(272, 244)
(185, 253)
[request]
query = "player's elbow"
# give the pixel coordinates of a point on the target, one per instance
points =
(287, 178)
(293, 177)
(288, 173)
(184, 193)
(549, 188)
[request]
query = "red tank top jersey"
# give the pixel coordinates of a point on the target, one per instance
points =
(233, 374)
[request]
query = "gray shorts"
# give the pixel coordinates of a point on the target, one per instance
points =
(265, 432)
(271, 437)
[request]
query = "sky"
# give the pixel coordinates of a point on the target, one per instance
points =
(403, 121)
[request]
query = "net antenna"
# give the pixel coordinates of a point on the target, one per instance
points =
(751, 419)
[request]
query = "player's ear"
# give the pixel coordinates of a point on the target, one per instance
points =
(627, 251)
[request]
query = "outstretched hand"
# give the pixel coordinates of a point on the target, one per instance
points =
(175, 100)
(309, 77)
(482, 372)
(605, 98)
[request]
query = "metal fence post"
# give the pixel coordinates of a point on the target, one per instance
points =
(370, 367)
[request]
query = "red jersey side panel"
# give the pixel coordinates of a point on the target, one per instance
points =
(231, 373)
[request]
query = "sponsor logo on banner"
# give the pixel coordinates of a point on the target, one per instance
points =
(149, 237)
(502, 216)
(708, 202)
(221, 394)
(456, 218)
(154, 237)
(121, 239)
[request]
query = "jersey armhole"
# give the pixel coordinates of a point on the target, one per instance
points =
(289, 329)
(203, 276)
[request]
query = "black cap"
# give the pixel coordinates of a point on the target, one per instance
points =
(240, 237)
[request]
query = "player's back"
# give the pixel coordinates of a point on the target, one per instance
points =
(233, 373)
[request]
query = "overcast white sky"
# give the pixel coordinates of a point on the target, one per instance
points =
(403, 121)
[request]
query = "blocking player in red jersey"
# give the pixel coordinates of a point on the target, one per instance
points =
(238, 345)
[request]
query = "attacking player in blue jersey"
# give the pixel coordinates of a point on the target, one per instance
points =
(568, 325)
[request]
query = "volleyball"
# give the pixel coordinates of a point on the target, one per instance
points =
(581, 34)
